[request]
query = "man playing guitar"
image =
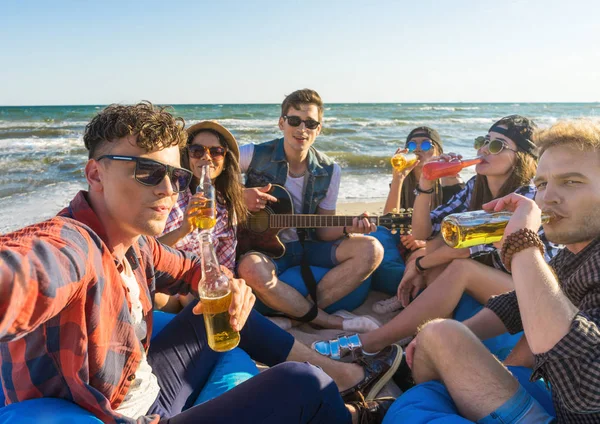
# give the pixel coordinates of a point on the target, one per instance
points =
(313, 180)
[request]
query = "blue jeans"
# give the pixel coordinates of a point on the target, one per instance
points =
(522, 408)
(182, 362)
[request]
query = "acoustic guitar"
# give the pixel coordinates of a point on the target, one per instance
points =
(261, 231)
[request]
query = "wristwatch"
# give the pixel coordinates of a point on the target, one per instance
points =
(419, 190)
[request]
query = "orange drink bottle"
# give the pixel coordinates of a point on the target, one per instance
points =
(434, 170)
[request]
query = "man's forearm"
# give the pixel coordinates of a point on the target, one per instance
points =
(546, 312)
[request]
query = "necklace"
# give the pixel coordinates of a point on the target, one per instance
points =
(291, 174)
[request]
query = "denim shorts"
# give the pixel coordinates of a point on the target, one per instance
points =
(318, 253)
(522, 408)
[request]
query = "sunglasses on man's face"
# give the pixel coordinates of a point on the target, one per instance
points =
(295, 121)
(151, 173)
(425, 145)
(197, 151)
(494, 146)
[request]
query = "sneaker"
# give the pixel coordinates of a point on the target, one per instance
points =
(379, 369)
(387, 305)
(372, 411)
(357, 323)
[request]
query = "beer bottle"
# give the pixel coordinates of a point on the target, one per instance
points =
(434, 170)
(401, 161)
(215, 295)
(208, 217)
(477, 227)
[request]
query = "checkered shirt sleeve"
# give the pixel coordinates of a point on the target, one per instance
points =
(572, 366)
(457, 204)
(506, 307)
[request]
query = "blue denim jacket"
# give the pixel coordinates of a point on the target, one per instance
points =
(269, 165)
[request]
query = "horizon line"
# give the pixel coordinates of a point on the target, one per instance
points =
(279, 104)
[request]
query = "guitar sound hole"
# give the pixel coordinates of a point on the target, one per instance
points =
(259, 221)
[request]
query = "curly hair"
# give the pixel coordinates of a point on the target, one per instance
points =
(153, 127)
(583, 134)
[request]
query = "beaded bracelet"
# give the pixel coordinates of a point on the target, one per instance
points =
(517, 241)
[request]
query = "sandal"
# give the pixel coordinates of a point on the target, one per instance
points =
(339, 347)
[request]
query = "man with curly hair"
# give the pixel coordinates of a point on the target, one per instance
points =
(76, 300)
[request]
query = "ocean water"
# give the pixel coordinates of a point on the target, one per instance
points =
(42, 154)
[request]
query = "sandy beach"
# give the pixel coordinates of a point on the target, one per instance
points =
(356, 208)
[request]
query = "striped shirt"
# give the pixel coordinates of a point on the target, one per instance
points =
(223, 235)
(460, 203)
(66, 329)
(572, 366)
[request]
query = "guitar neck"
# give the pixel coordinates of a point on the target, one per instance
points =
(314, 221)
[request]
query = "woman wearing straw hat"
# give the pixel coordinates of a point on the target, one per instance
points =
(208, 143)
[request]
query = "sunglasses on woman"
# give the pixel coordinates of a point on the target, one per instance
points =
(494, 146)
(425, 145)
(197, 151)
(151, 173)
(295, 121)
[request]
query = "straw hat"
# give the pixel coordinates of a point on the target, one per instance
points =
(232, 144)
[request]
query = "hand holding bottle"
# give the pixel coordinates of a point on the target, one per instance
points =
(400, 172)
(425, 183)
(525, 213)
(445, 165)
(242, 302)
(207, 217)
(193, 211)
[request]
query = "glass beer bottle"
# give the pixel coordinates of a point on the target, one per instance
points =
(477, 227)
(401, 161)
(208, 212)
(434, 170)
(215, 295)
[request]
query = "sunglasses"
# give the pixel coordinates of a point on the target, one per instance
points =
(151, 173)
(295, 121)
(197, 151)
(494, 146)
(425, 145)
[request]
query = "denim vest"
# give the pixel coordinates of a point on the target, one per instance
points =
(269, 165)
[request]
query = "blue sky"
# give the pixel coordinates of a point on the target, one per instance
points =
(80, 52)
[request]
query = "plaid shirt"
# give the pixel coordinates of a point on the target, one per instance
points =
(65, 326)
(572, 366)
(223, 235)
(460, 203)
